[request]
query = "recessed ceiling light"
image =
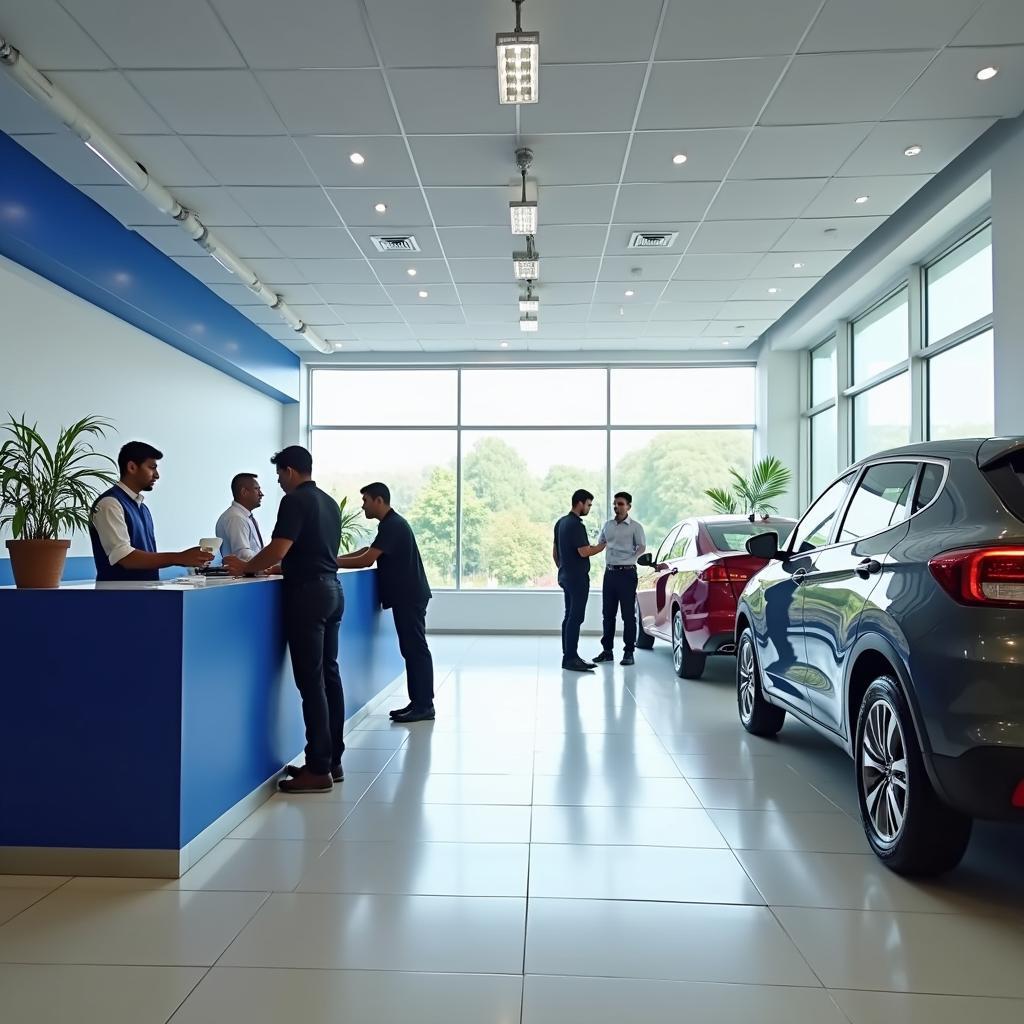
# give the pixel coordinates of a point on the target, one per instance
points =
(502, 344)
(630, 293)
(380, 207)
(861, 200)
(773, 291)
(338, 346)
(986, 73)
(622, 312)
(725, 343)
(411, 271)
(914, 150)
(422, 294)
(357, 158)
(798, 266)
(679, 158)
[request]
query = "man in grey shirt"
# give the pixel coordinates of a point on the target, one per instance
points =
(626, 543)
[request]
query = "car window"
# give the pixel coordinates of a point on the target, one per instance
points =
(814, 529)
(681, 547)
(881, 500)
(931, 481)
(666, 545)
(734, 536)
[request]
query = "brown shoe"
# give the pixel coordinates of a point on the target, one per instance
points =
(293, 770)
(306, 782)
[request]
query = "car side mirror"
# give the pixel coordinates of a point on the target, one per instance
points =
(645, 559)
(765, 545)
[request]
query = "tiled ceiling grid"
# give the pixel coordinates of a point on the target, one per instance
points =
(787, 111)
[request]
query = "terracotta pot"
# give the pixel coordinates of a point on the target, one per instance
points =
(38, 563)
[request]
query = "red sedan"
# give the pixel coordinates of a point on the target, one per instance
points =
(687, 592)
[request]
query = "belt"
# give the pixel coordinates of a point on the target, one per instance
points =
(619, 568)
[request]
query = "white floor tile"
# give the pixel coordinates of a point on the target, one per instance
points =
(456, 789)
(612, 791)
(892, 1008)
(812, 831)
(625, 826)
(579, 760)
(766, 793)
(14, 901)
(309, 817)
(409, 822)
(47, 882)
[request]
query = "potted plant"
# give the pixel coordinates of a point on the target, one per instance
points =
(751, 495)
(352, 530)
(48, 493)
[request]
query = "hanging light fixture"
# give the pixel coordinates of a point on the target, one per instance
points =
(529, 303)
(523, 213)
(518, 63)
(526, 264)
(529, 324)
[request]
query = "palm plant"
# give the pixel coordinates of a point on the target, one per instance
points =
(46, 493)
(352, 529)
(752, 495)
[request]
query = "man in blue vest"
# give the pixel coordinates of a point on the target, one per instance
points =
(121, 528)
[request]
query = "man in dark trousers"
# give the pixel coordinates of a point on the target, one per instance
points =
(405, 590)
(572, 551)
(626, 543)
(305, 541)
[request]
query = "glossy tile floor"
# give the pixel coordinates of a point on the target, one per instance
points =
(555, 848)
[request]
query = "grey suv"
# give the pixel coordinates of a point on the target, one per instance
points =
(893, 622)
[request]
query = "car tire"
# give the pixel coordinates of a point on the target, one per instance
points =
(688, 664)
(757, 716)
(644, 640)
(907, 825)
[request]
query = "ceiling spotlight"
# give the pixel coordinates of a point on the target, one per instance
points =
(679, 158)
(630, 293)
(773, 291)
(986, 73)
(338, 346)
(523, 214)
(914, 150)
(526, 265)
(529, 303)
(861, 200)
(380, 207)
(518, 63)
(357, 158)
(798, 266)
(411, 271)
(530, 324)
(422, 294)
(502, 344)
(622, 311)
(725, 343)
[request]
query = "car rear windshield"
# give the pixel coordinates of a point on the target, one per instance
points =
(734, 536)
(1007, 480)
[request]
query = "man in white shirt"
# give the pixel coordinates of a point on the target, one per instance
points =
(237, 527)
(121, 528)
(626, 542)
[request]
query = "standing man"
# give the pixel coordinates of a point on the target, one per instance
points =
(572, 552)
(626, 543)
(305, 541)
(405, 590)
(121, 528)
(237, 527)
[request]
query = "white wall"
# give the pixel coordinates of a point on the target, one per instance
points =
(62, 358)
(511, 612)
(778, 416)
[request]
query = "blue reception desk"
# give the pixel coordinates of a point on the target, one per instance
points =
(140, 722)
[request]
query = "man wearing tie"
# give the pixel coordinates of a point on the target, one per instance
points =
(237, 527)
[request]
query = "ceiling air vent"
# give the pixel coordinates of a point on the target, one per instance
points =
(395, 243)
(652, 239)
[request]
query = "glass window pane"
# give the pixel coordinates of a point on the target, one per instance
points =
(666, 545)
(881, 500)
(419, 468)
(515, 485)
(815, 528)
(961, 399)
(734, 536)
(824, 463)
(880, 338)
(823, 372)
(960, 287)
(881, 417)
(682, 545)
(393, 398)
(688, 395)
(668, 471)
(514, 398)
(931, 480)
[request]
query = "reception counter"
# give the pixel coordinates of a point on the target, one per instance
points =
(140, 722)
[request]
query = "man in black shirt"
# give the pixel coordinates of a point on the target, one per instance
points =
(305, 542)
(405, 590)
(572, 551)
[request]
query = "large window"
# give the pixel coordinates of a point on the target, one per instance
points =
(959, 287)
(881, 417)
(960, 398)
(482, 461)
(824, 464)
(880, 337)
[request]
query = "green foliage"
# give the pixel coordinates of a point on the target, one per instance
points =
(352, 529)
(46, 492)
(724, 501)
(517, 551)
(752, 495)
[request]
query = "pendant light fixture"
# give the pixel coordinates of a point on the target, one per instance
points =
(529, 303)
(526, 263)
(518, 63)
(523, 213)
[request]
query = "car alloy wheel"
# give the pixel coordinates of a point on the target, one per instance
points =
(883, 771)
(745, 670)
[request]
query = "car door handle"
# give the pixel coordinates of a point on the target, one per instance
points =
(868, 567)
(798, 576)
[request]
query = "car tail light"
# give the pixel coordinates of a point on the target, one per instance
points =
(1018, 795)
(989, 576)
(716, 573)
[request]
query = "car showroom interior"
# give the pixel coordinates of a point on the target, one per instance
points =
(512, 511)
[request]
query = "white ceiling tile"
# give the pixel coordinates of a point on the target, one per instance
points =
(431, 271)
(446, 338)
(450, 101)
(251, 159)
(289, 206)
(566, 314)
(775, 265)
(341, 295)
(716, 267)
(19, 113)
(443, 33)
(699, 291)
(506, 313)
(571, 240)
(387, 160)
(709, 153)
(737, 328)
(882, 152)
(185, 34)
(683, 311)
(575, 204)
(759, 309)
(998, 22)
(618, 241)
(382, 332)
(577, 31)
(739, 236)
(215, 206)
(430, 314)
(301, 33)
(651, 268)
(206, 269)
(886, 194)
(111, 99)
(278, 270)
(168, 159)
(708, 94)
(674, 329)
(885, 25)
(331, 101)
(437, 294)
(125, 204)
(48, 36)
(335, 271)
(467, 160)
(171, 241)
(425, 237)
(585, 98)
(356, 205)
(949, 89)
(574, 159)
(570, 270)
(461, 207)
(565, 294)
(799, 151)
(209, 102)
(313, 243)
(493, 271)
(680, 201)
(479, 242)
(68, 156)
(843, 87)
(298, 293)
(787, 289)
(260, 314)
(696, 29)
(612, 332)
(835, 233)
(773, 197)
(489, 294)
(248, 243)
(315, 314)
(621, 312)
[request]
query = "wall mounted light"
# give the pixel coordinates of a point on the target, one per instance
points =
(518, 63)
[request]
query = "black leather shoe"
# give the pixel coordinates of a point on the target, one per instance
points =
(627, 659)
(604, 656)
(412, 715)
(579, 665)
(400, 711)
(293, 770)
